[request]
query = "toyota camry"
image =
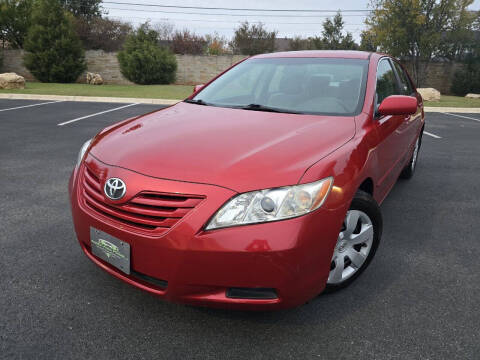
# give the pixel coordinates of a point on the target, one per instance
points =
(260, 190)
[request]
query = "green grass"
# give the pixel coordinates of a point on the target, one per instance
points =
(136, 91)
(454, 101)
(172, 92)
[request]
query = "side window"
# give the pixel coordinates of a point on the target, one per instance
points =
(386, 81)
(405, 86)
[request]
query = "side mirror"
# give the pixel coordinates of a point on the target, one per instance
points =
(398, 105)
(197, 88)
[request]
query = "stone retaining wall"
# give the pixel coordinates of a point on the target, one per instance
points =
(198, 69)
(192, 69)
(439, 75)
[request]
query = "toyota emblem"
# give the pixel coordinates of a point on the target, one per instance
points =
(115, 188)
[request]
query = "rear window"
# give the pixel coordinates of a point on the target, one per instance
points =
(305, 85)
(405, 85)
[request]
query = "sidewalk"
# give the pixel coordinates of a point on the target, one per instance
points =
(88, 99)
(171, 102)
(452, 110)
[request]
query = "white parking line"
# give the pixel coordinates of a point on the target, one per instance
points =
(463, 116)
(432, 135)
(27, 106)
(99, 113)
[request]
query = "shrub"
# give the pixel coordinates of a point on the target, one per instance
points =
(467, 80)
(102, 33)
(54, 52)
(142, 61)
(185, 42)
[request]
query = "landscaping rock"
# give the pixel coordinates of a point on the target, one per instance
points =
(429, 94)
(473, 96)
(94, 79)
(11, 81)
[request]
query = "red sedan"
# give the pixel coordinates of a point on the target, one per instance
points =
(260, 190)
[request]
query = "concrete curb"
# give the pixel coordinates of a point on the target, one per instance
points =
(452, 110)
(174, 101)
(89, 99)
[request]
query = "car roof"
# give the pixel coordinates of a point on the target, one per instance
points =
(345, 54)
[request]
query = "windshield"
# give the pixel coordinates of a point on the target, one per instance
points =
(330, 86)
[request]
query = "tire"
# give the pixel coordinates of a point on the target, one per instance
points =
(365, 218)
(409, 170)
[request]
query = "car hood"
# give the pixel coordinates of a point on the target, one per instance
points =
(238, 149)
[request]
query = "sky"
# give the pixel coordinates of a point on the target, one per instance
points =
(200, 21)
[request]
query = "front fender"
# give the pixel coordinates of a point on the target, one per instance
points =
(344, 165)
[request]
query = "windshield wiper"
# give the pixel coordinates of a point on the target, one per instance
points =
(258, 107)
(198, 102)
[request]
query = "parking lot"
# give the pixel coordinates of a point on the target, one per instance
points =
(419, 299)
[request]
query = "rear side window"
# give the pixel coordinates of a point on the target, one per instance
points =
(405, 85)
(386, 81)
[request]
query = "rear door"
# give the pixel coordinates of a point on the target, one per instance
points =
(390, 130)
(412, 122)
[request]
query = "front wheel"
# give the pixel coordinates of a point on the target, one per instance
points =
(357, 241)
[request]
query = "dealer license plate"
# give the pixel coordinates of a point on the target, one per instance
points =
(110, 249)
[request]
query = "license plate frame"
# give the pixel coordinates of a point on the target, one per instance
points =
(110, 249)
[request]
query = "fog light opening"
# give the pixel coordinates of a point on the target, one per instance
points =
(252, 293)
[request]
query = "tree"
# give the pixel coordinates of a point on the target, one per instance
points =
(54, 52)
(216, 44)
(348, 43)
(467, 80)
(102, 33)
(333, 37)
(300, 43)
(83, 8)
(332, 32)
(317, 43)
(251, 39)
(416, 28)
(460, 39)
(368, 41)
(15, 19)
(164, 31)
(143, 61)
(186, 42)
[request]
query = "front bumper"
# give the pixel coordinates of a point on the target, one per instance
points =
(188, 265)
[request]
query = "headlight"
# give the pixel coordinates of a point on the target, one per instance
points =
(82, 151)
(272, 204)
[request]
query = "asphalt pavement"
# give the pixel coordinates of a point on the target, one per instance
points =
(419, 299)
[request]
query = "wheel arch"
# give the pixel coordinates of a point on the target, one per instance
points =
(367, 186)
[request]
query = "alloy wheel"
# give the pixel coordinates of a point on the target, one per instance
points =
(415, 154)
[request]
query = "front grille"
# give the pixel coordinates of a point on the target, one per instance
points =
(149, 211)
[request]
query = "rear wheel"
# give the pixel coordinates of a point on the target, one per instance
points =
(409, 170)
(357, 242)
